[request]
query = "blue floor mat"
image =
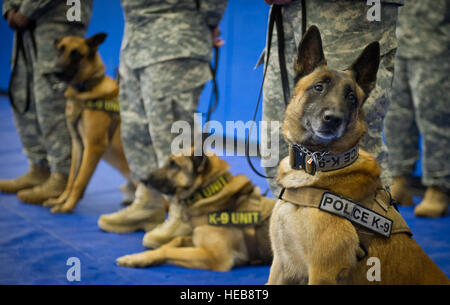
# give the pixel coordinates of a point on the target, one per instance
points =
(35, 244)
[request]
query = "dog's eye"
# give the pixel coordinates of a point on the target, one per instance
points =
(318, 87)
(172, 163)
(352, 98)
(75, 55)
(62, 49)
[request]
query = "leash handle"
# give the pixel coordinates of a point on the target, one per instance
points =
(20, 49)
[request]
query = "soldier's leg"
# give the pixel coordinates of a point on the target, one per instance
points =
(147, 209)
(430, 86)
(27, 123)
(50, 110)
(402, 135)
(375, 109)
(162, 112)
(274, 106)
(30, 136)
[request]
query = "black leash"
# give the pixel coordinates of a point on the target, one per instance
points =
(275, 18)
(20, 49)
(214, 99)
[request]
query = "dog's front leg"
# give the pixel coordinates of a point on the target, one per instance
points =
(153, 257)
(94, 132)
(189, 257)
(276, 275)
(91, 156)
(77, 149)
(332, 266)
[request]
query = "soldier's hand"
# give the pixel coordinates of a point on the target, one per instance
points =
(20, 21)
(279, 2)
(217, 41)
(10, 18)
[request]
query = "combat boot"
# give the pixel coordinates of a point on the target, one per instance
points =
(401, 191)
(434, 203)
(165, 232)
(146, 212)
(51, 188)
(34, 176)
(128, 191)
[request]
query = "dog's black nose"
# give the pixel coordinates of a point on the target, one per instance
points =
(332, 119)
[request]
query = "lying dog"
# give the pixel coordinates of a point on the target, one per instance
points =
(333, 214)
(92, 113)
(230, 218)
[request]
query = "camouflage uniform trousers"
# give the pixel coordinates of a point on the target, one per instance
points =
(345, 33)
(42, 129)
(420, 103)
(152, 98)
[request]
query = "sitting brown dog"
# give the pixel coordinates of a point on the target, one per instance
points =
(334, 220)
(92, 112)
(230, 218)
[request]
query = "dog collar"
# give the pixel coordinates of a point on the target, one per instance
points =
(302, 158)
(210, 190)
(89, 84)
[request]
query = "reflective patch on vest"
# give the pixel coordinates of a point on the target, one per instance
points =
(356, 213)
(235, 218)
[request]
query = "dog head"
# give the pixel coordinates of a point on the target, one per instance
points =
(325, 111)
(77, 57)
(179, 175)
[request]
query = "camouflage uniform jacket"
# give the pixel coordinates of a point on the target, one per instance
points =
(161, 30)
(50, 18)
(424, 28)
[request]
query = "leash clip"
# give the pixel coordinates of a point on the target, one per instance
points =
(306, 159)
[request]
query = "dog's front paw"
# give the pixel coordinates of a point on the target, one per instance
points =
(50, 203)
(61, 209)
(139, 260)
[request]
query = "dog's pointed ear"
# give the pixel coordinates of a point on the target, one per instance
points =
(200, 162)
(309, 53)
(365, 67)
(56, 42)
(94, 41)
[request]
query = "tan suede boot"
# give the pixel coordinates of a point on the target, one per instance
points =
(434, 203)
(128, 191)
(52, 187)
(146, 212)
(165, 232)
(35, 176)
(401, 191)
